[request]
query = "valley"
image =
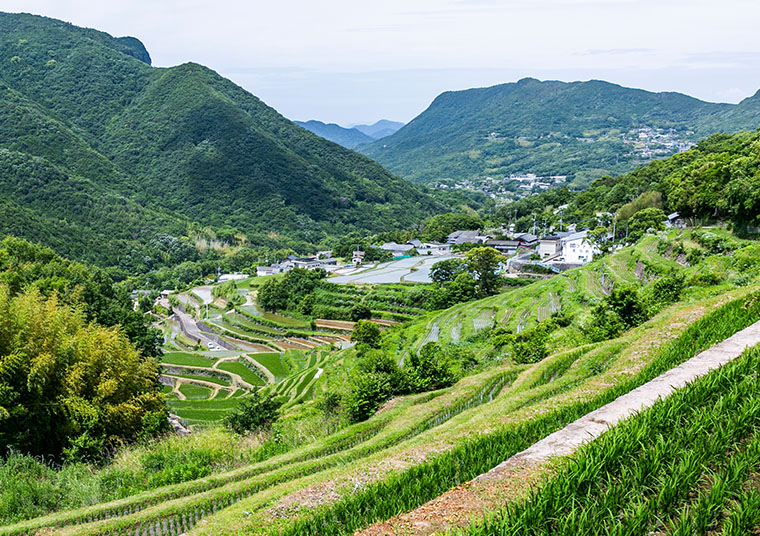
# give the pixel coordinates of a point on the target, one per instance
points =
(542, 318)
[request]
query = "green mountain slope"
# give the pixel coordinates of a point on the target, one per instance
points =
(582, 130)
(182, 142)
(347, 137)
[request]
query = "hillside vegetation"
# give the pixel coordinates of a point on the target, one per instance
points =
(421, 445)
(716, 180)
(548, 128)
(103, 154)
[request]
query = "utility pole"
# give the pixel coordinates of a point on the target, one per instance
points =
(533, 229)
(614, 226)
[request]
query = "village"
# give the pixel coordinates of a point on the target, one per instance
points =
(413, 260)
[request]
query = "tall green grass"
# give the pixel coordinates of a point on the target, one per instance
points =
(412, 488)
(688, 465)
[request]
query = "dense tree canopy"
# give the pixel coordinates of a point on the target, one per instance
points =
(102, 155)
(24, 265)
(576, 129)
(69, 387)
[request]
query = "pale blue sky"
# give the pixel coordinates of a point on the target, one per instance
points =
(351, 61)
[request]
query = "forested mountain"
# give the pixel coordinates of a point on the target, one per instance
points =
(353, 136)
(102, 154)
(380, 129)
(582, 130)
(347, 137)
(717, 179)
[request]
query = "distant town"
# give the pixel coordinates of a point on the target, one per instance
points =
(642, 145)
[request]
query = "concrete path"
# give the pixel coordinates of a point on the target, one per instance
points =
(592, 425)
(204, 293)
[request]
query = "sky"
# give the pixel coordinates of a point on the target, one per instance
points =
(357, 61)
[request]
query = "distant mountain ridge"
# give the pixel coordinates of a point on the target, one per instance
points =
(347, 137)
(104, 154)
(579, 129)
(351, 137)
(380, 129)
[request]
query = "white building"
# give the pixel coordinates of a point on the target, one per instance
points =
(576, 249)
(551, 246)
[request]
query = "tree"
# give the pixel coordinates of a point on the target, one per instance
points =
(368, 391)
(463, 288)
(628, 305)
(255, 413)
(428, 370)
(447, 270)
(623, 309)
(644, 221)
(289, 291)
(69, 387)
(440, 226)
(366, 332)
(360, 311)
(529, 346)
(483, 263)
(272, 296)
(600, 237)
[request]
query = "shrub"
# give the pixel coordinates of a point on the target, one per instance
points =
(368, 391)
(431, 369)
(629, 306)
(254, 413)
(360, 311)
(605, 323)
(366, 332)
(668, 289)
(529, 346)
(67, 386)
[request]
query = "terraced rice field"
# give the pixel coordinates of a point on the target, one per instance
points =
(416, 449)
(419, 447)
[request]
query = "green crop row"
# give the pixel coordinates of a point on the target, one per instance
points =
(688, 465)
(710, 329)
(206, 494)
(407, 490)
(272, 361)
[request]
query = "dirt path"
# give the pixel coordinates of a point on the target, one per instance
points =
(516, 476)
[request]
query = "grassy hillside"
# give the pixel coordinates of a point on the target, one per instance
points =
(577, 129)
(419, 446)
(177, 147)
